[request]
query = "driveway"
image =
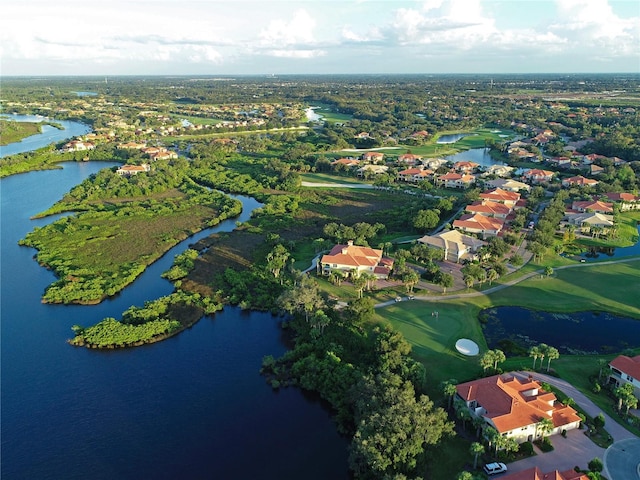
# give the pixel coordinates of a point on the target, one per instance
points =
(574, 450)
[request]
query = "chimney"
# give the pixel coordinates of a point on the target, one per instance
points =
(350, 243)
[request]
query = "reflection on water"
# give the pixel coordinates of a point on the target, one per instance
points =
(581, 332)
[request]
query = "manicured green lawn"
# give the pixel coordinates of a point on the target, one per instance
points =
(433, 338)
(576, 289)
(327, 178)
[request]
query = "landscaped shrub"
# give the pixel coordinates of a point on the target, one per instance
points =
(526, 448)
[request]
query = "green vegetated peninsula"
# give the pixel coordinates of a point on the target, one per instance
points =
(11, 131)
(436, 240)
(121, 226)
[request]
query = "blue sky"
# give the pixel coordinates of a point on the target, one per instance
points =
(232, 37)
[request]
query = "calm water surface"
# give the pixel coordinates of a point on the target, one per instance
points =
(48, 135)
(478, 155)
(193, 406)
(580, 332)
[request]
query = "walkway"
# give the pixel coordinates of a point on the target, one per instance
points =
(454, 296)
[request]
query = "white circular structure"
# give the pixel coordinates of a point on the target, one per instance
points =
(467, 347)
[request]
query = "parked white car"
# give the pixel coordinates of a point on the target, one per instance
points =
(494, 468)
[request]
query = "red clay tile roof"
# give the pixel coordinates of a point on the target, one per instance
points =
(353, 256)
(628, 365)
(488, 207)
(511, 403)
(500, 195)
(593, 205)
(477, 221)
(535, 473)
(622, 197)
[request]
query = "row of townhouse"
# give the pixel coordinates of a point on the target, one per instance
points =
(488, 216)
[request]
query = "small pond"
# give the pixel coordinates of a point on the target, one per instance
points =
(581, 332)
(453, 138)
(480, 156)
(600, 253)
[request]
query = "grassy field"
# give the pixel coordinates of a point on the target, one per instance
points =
(569, 290)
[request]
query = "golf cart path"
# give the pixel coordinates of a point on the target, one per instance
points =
(509, 283)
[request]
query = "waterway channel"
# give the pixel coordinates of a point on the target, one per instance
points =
(47, 136)
(193, 406)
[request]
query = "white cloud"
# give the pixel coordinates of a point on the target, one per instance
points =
(347, 34)
(281, 33)
(297, 53)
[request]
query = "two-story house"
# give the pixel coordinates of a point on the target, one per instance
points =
(514, 407)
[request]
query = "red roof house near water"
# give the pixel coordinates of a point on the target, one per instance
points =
(354, 258)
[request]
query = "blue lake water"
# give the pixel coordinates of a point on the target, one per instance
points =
(581, 332)
(193, 406)
(480, 156)
(603, 253)
(452, 138)
(47, 136)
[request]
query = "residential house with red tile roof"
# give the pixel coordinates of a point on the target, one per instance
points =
(536, 175)
(414, 175)
(535, 473)
(465, 166)
(130, 170)
(626, 201)
(514, 407)
(592, 206)
(348, 162)
(77, 146)
(408, 158)
(353, 258)
(578, 181)
(372, 157)
(510, 199)
(132, 146)
(480, 224)
(455, 180)
(489, 209)
(626, 370)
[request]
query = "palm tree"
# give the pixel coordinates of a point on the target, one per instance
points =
(544, 426)
(449, 389)
(468, 281)
(492, 275)
(552, 354)
(498, 357)
(446, 281)
(542, 351)
(478, 423)
(630, 402)
(535, 353)
(359, 282)
(476, 450)
(491, 434)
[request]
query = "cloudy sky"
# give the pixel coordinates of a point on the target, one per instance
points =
(230, 37)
